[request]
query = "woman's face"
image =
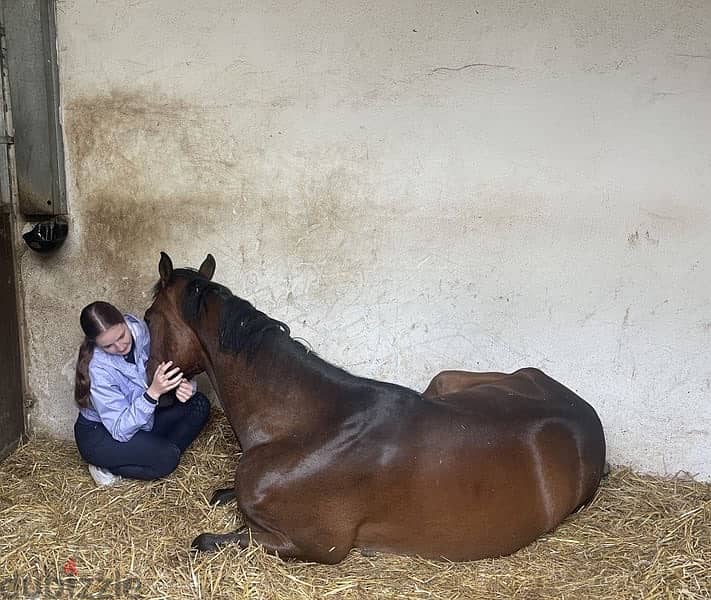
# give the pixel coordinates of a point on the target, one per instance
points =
(115, 340)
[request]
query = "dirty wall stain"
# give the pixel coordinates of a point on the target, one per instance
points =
(154, 173)
(136, 142)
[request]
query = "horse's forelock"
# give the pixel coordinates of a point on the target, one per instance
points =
(196, 292)
(194, 298)
(182, 272)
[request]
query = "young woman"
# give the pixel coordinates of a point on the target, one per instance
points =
(121, 431)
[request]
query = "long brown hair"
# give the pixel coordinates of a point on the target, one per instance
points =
(95, 318)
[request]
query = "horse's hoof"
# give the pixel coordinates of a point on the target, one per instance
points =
(223, 496)
(205, 542)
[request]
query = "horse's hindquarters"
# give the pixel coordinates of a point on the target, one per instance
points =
(485, 491)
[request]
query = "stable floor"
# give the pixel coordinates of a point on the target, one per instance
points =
(62, 537)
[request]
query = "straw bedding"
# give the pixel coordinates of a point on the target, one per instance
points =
(62, 537)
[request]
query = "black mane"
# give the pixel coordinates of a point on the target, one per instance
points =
(242, 327)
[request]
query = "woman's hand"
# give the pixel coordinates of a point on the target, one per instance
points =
(184, 391)
(164, 380)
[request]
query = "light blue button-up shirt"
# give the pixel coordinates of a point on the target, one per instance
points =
(117, 387)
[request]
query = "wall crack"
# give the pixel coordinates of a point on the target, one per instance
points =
(472, 66)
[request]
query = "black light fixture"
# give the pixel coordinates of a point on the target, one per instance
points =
(46, 236)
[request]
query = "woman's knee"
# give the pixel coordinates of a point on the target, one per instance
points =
(162, 462)
(92, 441)
(200, 407)
(160, 458)
(166, 460)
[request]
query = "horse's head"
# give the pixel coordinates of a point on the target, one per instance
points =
(172, 337)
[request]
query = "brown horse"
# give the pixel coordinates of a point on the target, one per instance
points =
(478, 466)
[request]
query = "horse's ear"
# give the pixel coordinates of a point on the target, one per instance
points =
(165, 268)
(207, 268)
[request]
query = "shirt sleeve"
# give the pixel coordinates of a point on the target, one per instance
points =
(122, 415)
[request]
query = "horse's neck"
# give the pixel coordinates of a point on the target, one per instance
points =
(280, 393)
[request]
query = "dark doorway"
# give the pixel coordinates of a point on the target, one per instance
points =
(11, 413)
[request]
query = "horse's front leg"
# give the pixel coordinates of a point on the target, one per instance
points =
(271, 542)
(223, 496)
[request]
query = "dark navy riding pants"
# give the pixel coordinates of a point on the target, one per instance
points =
(148, 454)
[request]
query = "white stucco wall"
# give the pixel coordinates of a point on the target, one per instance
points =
(410, 186)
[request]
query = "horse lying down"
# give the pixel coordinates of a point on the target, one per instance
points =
(478, 465)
